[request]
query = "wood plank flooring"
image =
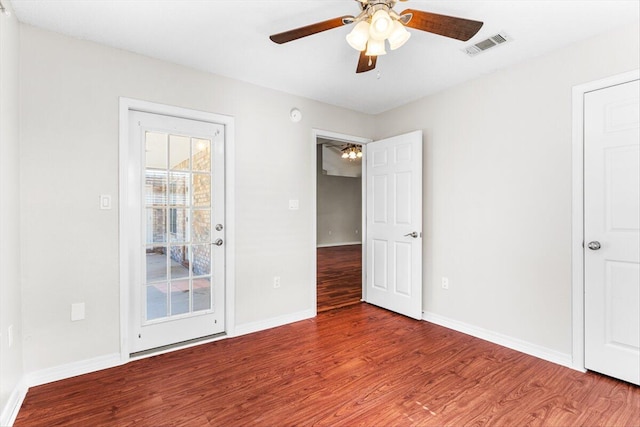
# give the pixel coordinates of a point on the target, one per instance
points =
(355, 366)
(339, 276)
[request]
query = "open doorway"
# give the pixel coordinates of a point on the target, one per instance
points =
(339, 223)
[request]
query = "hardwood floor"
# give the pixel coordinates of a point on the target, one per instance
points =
(355, 366)
(339, 276)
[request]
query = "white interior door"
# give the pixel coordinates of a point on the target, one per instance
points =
(394, 224)
(176, 194)
(612, 231)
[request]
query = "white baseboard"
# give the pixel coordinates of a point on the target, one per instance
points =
(82, 367)
(328, 245)
(11, 409)
(274, 322)
(74, 369)
(503, 340)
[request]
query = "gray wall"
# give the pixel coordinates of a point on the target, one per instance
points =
(339, 206)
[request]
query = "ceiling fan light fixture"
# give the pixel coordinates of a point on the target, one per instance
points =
(352, 152)
(359, 36)
(381, 25)
(398, 36)
(375, 48)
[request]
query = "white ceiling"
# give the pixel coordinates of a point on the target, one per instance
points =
(231, 38)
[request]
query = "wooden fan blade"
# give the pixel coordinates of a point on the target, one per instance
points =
(448, 26)
(308, 30)
(366, 63)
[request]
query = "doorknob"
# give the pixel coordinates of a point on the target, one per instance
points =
(218, 242)
(594, 246)
(413, 234)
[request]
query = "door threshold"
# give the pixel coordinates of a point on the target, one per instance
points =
(176, 346)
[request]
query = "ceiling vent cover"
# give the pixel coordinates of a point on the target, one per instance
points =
(483, 45)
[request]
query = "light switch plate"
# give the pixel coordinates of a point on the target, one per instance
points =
(105, 201)
(294, 205)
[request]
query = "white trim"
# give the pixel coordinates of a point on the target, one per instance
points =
(318, 133)
(12, 407)
(328, 245)
(173, 348)
(126, 105)
(74, 369)
(500, 339)
(261, 325)
(577, 208)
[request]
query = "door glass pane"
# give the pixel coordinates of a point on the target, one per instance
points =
(201, 260)
(178, 222)
(156, 225)
(155, 187)
(201, 190)
(156, 150)
(179, 152)
(156, 301)
(180, 297)
(156, 263)
(201, 160)
(202, 294)
(178, 225)
(178, 188)
(201, 224)
(179, 262)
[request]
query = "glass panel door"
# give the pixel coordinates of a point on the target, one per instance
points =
(179, 295)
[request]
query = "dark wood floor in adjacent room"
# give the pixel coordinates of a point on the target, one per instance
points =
(355, 366)
(339, 276)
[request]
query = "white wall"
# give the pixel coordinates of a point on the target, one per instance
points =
(497, 180)
(11, 368)
(69, 136)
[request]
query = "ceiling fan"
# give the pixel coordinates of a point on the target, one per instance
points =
(378, 22)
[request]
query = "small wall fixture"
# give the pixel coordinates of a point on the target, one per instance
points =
(4, 10)
(295, 115)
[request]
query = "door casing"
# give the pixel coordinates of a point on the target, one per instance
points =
(125, 228)
(577, 209)
(318, 133)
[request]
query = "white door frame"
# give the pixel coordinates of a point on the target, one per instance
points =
(125, 228)
(318, 133)
(577, 202)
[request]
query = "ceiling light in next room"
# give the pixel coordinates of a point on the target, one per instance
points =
(352, 152)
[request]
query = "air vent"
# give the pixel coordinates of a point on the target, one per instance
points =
(483, 45)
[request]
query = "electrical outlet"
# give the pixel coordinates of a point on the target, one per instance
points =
(445, 283)
(276, 281)
(77, 311)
